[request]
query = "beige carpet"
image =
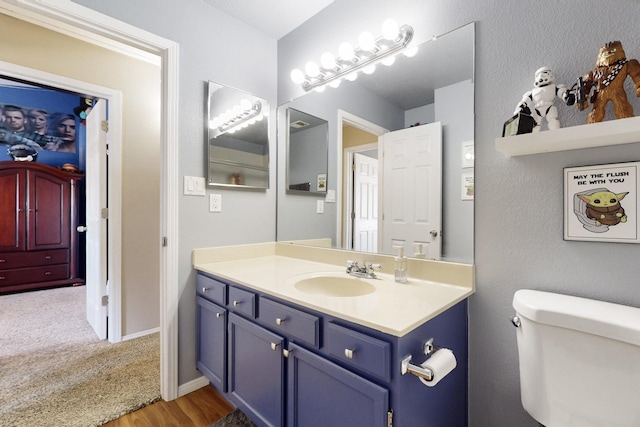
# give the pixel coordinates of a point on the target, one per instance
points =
(55, 372)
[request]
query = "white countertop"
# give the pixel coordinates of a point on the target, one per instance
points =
(392, 308)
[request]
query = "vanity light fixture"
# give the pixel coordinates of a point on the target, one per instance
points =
(350, 60)
(236, 118)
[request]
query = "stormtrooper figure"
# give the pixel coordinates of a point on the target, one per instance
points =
(539, 101)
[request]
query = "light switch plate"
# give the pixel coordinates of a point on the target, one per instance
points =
(194, 186)
(215, 203)
(320, 207)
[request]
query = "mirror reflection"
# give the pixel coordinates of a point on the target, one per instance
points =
(307, 153)
(399, 111)
(238, 138)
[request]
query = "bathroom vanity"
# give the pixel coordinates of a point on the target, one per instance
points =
(289, 352)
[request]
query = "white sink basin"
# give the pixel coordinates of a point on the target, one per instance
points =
(334, 285)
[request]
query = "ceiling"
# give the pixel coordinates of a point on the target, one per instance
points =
(276, 18)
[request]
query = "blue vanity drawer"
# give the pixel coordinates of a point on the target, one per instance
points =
(242, 302)
(366, 353)
(211, 289)
(291, 322)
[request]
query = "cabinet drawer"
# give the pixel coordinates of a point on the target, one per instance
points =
(242, 302)
(211, 289)
(291, 322)
(34, 275)
(366, 353)
(10, 260)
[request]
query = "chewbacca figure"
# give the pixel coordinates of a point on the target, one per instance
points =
(607, 81)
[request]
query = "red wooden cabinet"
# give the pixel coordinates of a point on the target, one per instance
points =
(38, 220)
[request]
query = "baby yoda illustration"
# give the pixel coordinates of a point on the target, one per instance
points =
(604, 207)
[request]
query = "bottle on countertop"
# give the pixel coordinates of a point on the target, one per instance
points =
(400, 265)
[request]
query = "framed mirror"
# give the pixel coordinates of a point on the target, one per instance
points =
(435, 86)
(237, 138)
(307, 153)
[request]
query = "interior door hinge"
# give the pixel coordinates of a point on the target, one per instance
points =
(104, 213)
(164, 241)
(390, 418)
(105, 300)
(104, 125)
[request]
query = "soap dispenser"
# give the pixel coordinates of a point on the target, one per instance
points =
(418, 253)
(400, 265)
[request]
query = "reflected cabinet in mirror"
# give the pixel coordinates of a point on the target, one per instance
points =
(397, 172)
(307, 153)
(238, 138)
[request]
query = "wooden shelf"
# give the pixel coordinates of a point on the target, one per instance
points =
(612, 132)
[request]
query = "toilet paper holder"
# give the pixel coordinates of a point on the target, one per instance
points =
(406, 366)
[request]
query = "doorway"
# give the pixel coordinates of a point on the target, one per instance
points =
(116, 37)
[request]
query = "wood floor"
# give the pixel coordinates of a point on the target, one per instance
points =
(196, 409)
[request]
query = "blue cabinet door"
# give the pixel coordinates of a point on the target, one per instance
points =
(256, 371)
(321, 393)
(212, 342)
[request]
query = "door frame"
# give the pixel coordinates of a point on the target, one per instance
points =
(343, 160)
(93, 27)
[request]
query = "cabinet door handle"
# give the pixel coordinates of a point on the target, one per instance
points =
(236, 303)
(274, 346)
(1, 277)
(279, 321)
(205, 289)
(348, 353)
(286, 352)
(47, 257)
(1, 261)
(219, 315)
(47, 273)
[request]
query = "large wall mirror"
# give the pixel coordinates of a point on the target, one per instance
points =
(237, 138)
(400, 166)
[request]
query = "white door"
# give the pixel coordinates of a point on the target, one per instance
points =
(412, 189)
(365, 204)
(96, 201)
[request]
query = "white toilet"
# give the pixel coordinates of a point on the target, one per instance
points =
(579, 360)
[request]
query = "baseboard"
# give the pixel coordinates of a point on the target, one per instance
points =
(140, 334)
(193, 385)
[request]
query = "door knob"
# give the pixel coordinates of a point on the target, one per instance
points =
(434, 233)
(81, 228)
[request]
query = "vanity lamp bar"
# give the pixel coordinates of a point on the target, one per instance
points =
(236, 121)
(363, 56)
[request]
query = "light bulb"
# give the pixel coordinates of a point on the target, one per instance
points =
(312, 69)
(367, 41)
(328, 61)
(335, 83)
(369, 69)
(390, 29)
(297, 76)
(389, 60)
(411, 52)
(213, 124)
(320, 88)
(346, 52)
(352, 76)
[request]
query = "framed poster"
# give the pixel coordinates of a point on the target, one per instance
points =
(601, 203)
(467, 186)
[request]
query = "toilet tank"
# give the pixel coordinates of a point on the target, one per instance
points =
(579, 360)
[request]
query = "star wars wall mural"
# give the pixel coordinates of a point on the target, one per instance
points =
(601, 203)
(41, 124)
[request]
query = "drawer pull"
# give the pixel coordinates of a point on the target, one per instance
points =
(1, 261)
(279, 321)
(286, 352)
(236, 303)
(1, 277)
(274, 346)
(48, 257)
(205, 289)
(219, 315)
(348, 353)
(47, 273)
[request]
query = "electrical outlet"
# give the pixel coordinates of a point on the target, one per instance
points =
(215, 203)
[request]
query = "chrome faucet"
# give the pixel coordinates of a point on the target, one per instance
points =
(366, 271)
